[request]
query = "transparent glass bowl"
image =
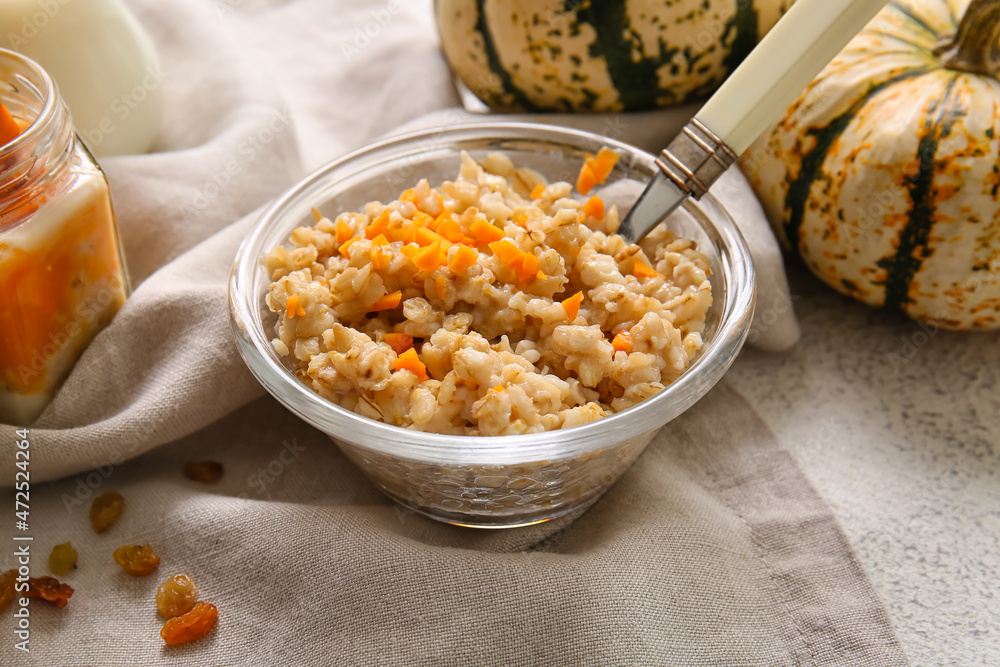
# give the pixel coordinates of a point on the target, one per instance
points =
(501, 481)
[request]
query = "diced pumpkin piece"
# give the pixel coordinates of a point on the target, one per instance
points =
(499, 387)
(643, 270)
(596, 169)
(594, 208)
(409, 361)
(572, 305)
(429, 258)
(410, 250)
(421, 219)
(403, 231)
(449, 228)
(469, 241)
(538, 191)
(463, 259)
(526, 267)
(380, 240)
(524, 263)
(343, 232)
(586, 181)
(345, 246)
(9, 129)
(531, 263)
(294, 307)
(409, 195)
(603, 164)
(506, 252)
(380, 225)
(380, 258)
(386, 302)
(438, 221)
(541, 276)
(425, 237)
(622, 342)
(484, 232)
(441, 287)
(399, 342)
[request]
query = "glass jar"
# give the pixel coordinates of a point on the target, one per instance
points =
(62, 274)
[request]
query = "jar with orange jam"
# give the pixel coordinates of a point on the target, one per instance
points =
(62, 274)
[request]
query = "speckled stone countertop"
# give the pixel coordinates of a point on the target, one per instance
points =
(898, 426)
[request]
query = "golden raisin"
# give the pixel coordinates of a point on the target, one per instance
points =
(62, 559)
(191, 626)
(105, 510)
(176, 596)
(208, 472)
(135, 560)
(7, 587)
(50, 590)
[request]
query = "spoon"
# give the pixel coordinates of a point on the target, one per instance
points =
(806, 38)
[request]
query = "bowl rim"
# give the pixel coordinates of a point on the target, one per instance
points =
(341, 424)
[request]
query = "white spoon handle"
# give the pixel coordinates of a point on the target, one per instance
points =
(803, 42)
(789, 57)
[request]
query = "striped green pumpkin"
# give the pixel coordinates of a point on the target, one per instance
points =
(599, 55)
(885, 174)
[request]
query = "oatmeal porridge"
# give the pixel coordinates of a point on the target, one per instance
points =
(492, 304)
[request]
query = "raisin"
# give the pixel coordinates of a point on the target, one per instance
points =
(7, 587)
(62, 559)
(208, 472)
(191, 626)
(105, 510)
(176, 596)
(50, 590)
(135, 560)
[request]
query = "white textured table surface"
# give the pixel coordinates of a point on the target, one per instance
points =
(898, 427)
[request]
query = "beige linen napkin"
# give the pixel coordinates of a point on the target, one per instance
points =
(712, 550)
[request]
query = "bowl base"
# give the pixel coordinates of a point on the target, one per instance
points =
(491, 522)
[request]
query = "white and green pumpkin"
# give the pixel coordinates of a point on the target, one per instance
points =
(599, 55)
(885, 174)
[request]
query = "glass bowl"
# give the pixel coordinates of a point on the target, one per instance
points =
(488, 481)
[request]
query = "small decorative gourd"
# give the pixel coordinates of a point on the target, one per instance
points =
(599, 55)
(884, 175)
